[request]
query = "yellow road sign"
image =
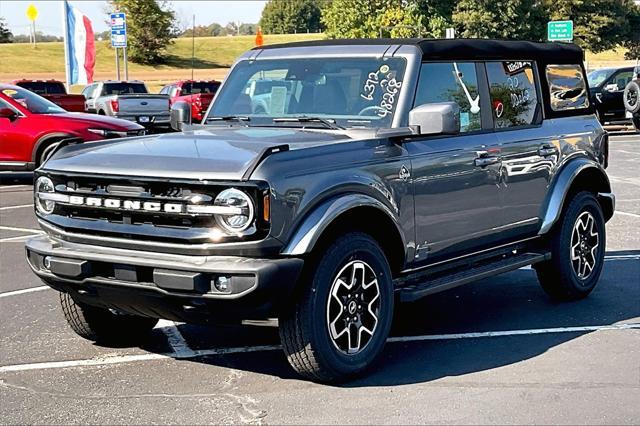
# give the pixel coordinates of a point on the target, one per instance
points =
(32, 12)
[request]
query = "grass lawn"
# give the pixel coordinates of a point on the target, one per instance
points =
(213, 55)
(20, 60)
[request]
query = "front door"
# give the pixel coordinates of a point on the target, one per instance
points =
(455, 178)
(612, 95)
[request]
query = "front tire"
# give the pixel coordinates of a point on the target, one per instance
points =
(340, 322)
(577, 251)
(104, 326)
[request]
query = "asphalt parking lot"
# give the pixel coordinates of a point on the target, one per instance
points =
(497, 351)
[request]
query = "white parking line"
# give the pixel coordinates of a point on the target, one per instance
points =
(247, 349)
(13, 228)
(627, 213)
(23, 291)
(14, 239)
(180, 347)
(16, 207)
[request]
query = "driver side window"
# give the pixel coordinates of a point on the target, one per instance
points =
(451, 82)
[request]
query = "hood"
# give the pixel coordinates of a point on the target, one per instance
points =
(101, 121)
(203, 154)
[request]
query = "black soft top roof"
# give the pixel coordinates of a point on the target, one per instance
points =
(464, 48)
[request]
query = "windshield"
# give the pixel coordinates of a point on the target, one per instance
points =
(43, 87)
(351, 92)
(596, 77)
(34, 103)
(123, 88)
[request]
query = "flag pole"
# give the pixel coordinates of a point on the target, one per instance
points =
(66, 44)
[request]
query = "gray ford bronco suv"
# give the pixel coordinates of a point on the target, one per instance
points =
(330, 182)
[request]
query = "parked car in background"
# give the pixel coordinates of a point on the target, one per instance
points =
(198, 94)
(54, 91)
(383, 171)
(31, 127)
(129, 100)
(606, 86)
(631, 98)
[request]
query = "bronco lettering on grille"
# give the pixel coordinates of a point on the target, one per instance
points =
(117, 204)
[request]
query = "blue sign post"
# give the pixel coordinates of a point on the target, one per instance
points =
(119, 40)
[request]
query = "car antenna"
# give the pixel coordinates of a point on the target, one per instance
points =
(193, 57)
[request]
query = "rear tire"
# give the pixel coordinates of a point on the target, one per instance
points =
(339, 323)
(104, 326)
(577, 250)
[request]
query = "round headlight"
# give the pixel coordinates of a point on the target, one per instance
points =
(237, 221)
(44, 185)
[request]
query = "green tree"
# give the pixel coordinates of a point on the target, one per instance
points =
(509, 19)
(290, 16)
(392, 18)
(151, 28)
(5, 34)
(598, 25)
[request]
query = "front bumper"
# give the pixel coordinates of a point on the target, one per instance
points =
(178, 287)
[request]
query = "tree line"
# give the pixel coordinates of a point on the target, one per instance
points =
(599, 25)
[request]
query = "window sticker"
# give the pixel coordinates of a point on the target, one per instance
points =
(278, 100)
(464, 119)
(10, 92)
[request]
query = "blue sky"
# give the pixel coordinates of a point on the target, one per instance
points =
(50, 13)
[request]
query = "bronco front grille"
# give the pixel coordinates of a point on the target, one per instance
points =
(153, 210)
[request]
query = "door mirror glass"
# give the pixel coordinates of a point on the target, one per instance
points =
(7, 113)
(180, 115)
(436, 118)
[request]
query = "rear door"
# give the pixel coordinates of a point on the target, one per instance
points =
(528, 148)
(455, 178)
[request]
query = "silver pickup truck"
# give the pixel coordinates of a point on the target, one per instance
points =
(129, 100)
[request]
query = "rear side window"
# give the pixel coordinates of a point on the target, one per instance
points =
(43, 87)
(123, 88)
(452, 82)
(514, 98)
(567, 88)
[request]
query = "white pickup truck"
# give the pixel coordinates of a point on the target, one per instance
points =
(129, 100)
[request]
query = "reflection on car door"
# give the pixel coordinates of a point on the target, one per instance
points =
(455, 178)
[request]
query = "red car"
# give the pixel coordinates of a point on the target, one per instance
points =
(31, 127)
(198, 94)
(54, 91)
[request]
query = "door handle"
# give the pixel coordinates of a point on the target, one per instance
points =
(485, 159)
(547, 150)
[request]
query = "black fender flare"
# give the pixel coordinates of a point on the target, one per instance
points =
(562, 185)
(309, 231)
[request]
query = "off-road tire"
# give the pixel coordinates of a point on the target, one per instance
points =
(304, 328)
(558, 276)
(103, 326)
(631, 97)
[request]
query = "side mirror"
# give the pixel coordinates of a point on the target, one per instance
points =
(180, 115)
(611, 87)
(436, 118)
(8, 113)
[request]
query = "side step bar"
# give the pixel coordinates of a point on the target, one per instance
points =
(417, 290)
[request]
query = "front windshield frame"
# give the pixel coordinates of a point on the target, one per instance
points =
(391, 74)
(32, 102)
(597, 77)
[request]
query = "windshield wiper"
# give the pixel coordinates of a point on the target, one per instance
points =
(329, 123)
(240, 118)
